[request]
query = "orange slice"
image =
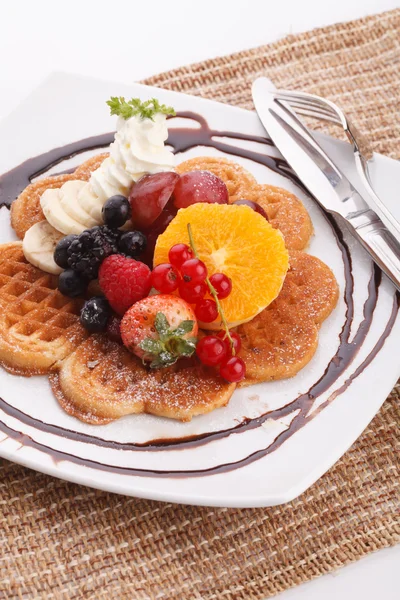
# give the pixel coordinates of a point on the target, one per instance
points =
(237, 241)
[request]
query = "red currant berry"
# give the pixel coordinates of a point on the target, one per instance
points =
(193, 271)
(165, 278)
(222, 285)
(179, 254)
(192, 293)
(206, 311)
(233, 369)
(211, 350)
(237, 342)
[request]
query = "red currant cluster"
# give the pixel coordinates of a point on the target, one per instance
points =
(217, 351)
(188, 275)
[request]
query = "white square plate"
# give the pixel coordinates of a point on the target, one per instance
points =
(258, 460)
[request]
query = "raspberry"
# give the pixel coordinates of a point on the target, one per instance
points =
(124, 281)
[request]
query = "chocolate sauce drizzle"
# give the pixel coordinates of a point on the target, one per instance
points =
(182, 139)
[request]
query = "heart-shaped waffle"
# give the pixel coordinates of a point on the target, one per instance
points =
(97, 380)
(26, 209)
(38, 325)
(285, 211)
(101, 381)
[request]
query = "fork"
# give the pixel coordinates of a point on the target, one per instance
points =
(311, 105)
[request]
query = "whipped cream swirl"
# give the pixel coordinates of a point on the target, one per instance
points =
(138, 149)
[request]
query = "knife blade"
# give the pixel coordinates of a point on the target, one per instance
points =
(330, 187)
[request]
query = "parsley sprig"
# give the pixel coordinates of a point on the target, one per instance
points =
(135, 107)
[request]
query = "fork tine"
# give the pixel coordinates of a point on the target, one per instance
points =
(314, 103)
(314, 111)
(311, 103)
(311, 107)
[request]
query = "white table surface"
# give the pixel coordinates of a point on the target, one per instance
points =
(129, 40)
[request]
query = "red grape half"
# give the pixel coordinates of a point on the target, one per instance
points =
(149, 195)
(199, 186)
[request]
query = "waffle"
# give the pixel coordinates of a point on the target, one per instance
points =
(26, 209)
(97, 380)
(284, 210)
(282, 339)
(38, 325)
(101, 381)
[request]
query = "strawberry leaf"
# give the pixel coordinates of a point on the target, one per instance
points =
(183, 328)
(164, 359)
(185, 347)
(151, 346)
(161, 324)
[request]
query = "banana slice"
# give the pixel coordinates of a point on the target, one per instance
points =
(39, 244)
(69, 201)
(56, 215)
(91, 203)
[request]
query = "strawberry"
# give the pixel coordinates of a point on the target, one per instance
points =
(160, 329)
(124, 281)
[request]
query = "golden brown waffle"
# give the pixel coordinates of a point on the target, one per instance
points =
(38, 325)
(282, 339)
(101, 381)
(97, 380)
(284, 210)
(26, 209)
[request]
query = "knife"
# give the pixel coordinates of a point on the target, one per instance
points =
(330, 187)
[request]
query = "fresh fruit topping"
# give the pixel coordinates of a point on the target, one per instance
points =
(199, 186)
(233, 369)
(95, 314)
(221, 284)
(71, 283)
(39, 244)
(124, 281)
(165, 278)
(116, 211)
(236, 241)
(253, 205)
(193, 271)
(114, 329)
(192, 293)
(69, 199)
(206, 311)
(132, 243)
(50, 202)
(211, 350)
(160, 329)
(136, 107)
(178, 254)
(87, 251)
(61, 251)
(233, 344)
(149, 196)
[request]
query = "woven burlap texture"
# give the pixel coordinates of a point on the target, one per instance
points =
(60, 540)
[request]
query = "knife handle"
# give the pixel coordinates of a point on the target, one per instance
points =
(383, 248)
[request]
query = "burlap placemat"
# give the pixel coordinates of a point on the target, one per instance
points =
(60, 540)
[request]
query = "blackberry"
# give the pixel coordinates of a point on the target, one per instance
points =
(90, 248)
